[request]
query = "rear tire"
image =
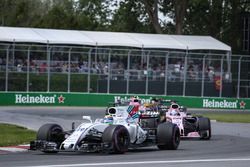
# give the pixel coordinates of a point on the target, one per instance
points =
(51, 133)
(204, 128)
(168, 136)
(118, 137)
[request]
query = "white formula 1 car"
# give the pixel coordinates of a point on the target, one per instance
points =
(120, 129)
(190, 126)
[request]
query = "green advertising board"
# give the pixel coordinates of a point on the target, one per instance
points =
(84, 99)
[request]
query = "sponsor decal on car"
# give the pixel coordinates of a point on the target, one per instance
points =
(133, 111)
(125, 99)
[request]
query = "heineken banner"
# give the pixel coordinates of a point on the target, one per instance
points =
(81, 99)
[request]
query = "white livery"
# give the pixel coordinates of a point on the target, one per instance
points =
(121, 129)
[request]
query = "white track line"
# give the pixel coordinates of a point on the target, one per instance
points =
(147, 162)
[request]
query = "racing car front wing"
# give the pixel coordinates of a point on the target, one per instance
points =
(46, 146)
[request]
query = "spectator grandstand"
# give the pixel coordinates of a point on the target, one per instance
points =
(114, 63)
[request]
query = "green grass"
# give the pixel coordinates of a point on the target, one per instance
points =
(229, 117)
(13, 135)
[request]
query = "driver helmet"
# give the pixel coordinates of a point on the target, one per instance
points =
(108, 119)
(174, 109)
(134, 101)
(175, 106)
(153, 101)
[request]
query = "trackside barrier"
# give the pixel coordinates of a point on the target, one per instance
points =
(100, 100)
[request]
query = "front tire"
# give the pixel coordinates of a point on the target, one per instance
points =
(118, 137)
(204, 125)
(168, 136)
(51, 133)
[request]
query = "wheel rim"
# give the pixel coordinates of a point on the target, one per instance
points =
(122, 141)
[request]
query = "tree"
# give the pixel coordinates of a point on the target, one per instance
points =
(21, 12)
(218, 18)
(93, 14)
(180, 7)
(175, 9)
(152, 10)
(60, 14)
(129, 17)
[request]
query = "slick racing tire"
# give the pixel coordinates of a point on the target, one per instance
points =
(204, 128)
(51, 133)
(118, 138)
(168, 136)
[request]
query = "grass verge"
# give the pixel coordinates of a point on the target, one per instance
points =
(14, 135)
(229, 117)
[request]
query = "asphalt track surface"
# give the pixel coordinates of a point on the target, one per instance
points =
(229, 145)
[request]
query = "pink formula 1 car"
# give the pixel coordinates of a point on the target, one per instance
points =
(189, 126)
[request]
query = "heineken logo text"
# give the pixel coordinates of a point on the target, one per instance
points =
(219, 104)
(23, 99)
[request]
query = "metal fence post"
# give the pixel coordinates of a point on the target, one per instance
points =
(238, 84)
(13, 53)
(48, 67)
(109, 73)
(6, 70)
(127, 73)
(203, 76)
(221, 76)
(146, 86)
(166, 74)
(69, 68)
(89, 61)
(185, 75)
(28, 70)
